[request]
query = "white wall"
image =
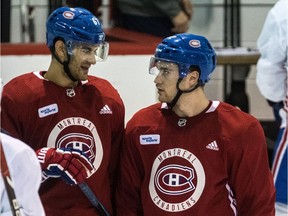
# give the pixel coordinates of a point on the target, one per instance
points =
(129, 75)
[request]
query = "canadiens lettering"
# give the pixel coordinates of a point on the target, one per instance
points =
(183, 181)
(173, 207)
(76, 121)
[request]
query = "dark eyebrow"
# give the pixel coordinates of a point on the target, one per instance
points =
(89, 48)
(86, 47)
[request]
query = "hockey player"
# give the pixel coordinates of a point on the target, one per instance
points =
(189, 155)
(74, 121)
(271, 79)
(20, 167)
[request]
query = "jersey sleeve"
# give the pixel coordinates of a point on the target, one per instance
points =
(250, 176)
(10, 118)
(128, 194)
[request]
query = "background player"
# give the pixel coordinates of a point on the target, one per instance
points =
(25, 173)
(73, 120)
(271, 79)
(192, 156)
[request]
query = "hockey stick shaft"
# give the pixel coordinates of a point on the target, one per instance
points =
(93, 199)
(15, 209)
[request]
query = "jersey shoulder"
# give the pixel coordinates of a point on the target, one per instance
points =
(105, 88)
(147, 116)
(22, 87)
(233, 117)
(24, 79)
(219, 111)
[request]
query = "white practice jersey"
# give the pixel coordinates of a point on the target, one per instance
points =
(25, 173)
(272, 43)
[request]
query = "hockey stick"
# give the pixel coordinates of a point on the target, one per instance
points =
(93, 199)
(15, 208)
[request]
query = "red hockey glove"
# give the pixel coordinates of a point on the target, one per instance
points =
(69, 164)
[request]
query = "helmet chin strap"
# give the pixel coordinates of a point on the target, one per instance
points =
(65, 65)
(67, 70)
(180, 92)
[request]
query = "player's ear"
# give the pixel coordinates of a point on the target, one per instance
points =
(192, 77)
(190, 80)
(60, 50)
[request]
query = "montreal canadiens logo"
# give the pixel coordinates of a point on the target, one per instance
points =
(176, 187)
(68, 14)
(175, 180)
(194, 43)
(89, 142)
(82, 142)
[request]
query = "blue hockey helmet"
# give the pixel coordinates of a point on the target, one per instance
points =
(187, 50)
(75, 25)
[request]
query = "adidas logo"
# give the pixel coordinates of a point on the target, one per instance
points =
(105, 110)
(213, 146)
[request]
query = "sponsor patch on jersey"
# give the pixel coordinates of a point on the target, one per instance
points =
(149, 139)
(48, 110)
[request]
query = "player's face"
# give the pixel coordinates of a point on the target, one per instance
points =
(81, 60)
(166, 81)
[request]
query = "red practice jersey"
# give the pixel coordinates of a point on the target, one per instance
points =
(89, 117)
(215, 163)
